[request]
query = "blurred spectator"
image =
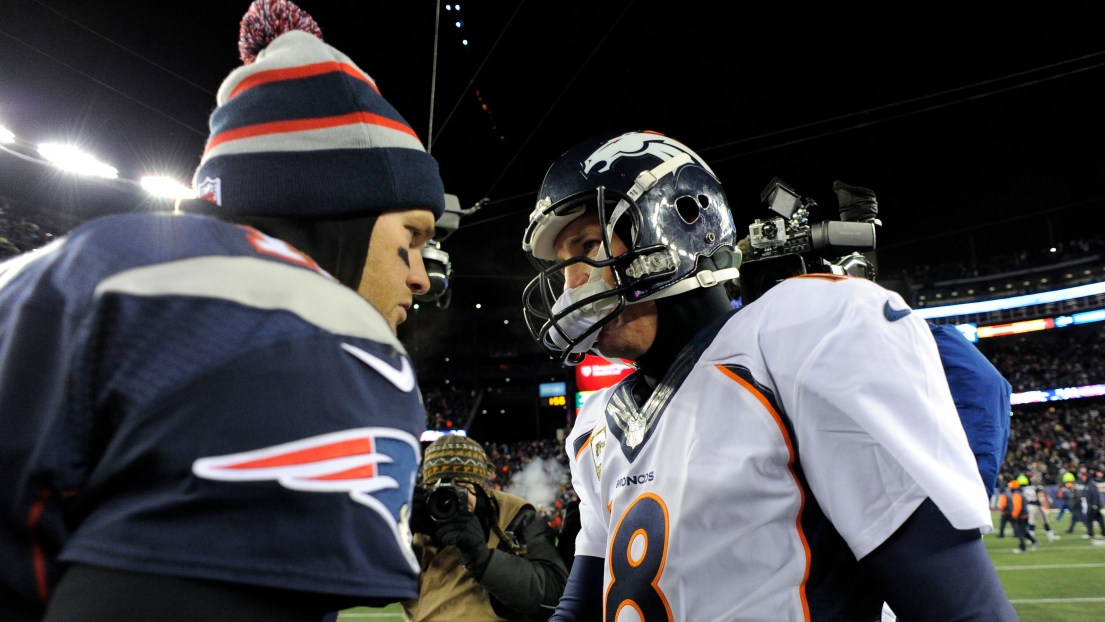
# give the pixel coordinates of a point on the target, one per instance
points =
(1046, 442)
(23, 229)
(1093, 503)
(511, 459)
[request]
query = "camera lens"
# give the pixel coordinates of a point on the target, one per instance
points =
(769, 230)
(443, 504)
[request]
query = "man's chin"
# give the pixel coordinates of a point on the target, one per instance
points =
(611, 348)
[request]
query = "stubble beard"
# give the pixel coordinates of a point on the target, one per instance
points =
(630, 334)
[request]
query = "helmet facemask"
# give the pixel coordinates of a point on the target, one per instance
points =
(596, 298)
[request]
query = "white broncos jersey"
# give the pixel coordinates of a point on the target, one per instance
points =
(789, 440)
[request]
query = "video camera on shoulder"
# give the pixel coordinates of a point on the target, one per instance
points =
(788, 245)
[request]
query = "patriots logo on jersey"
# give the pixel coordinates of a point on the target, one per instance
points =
(375, 466)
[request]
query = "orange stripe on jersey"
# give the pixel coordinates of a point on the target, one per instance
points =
(363, 472)
(1018, 505)
(824, 277)
(585, 445)
(790, 466)
(38, 556)
(342, 449)
(302, 125)
(295, 73)
(663, 557)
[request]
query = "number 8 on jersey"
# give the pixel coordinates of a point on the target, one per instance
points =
(638, 551)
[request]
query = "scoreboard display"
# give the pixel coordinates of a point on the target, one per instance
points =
(596, 373)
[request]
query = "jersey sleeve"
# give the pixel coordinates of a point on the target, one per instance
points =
(877, 429)
(584, 447)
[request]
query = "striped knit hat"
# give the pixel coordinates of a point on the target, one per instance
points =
(301, 132)
(458, 458)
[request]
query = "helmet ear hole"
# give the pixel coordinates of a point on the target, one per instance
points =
(704, 201)
(688, 209)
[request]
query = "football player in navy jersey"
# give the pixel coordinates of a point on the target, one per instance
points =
(207, 415)
(798, 459)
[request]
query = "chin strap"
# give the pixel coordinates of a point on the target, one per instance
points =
(705, 278)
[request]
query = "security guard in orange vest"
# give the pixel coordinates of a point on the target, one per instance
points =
(1005, 506)
(1018, 512)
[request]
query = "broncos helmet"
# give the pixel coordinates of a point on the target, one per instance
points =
(664, 203)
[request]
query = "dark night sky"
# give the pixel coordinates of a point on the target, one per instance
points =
(958, 118)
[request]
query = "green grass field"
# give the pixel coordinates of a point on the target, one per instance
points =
(1063, 581)
(391, 613)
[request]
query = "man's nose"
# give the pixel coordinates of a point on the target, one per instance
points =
(576, 275)
(417, 279)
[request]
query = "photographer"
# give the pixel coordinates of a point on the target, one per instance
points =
(485, 554)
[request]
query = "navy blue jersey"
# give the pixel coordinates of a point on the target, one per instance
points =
(185, 397)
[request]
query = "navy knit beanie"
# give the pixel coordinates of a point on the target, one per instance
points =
(301, 132)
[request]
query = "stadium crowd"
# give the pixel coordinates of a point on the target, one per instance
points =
(510, 459)
(1050, 360)
(21, 232)
(1047, 442)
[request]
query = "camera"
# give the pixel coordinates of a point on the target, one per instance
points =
(789, 245)
(439, 268)
(445, 500)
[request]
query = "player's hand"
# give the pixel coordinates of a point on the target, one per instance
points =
(466, 533)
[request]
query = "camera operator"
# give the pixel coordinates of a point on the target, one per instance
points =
(981, 394)
(485, 554)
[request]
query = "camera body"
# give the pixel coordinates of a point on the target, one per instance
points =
(787, 245)
(768, 234)
(439, 268)
(445, 500)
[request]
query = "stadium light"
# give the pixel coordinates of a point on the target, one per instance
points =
(1015, 302)
(74, 160)
(167, 188)
(6, 135)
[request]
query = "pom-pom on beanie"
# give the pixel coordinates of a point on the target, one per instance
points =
(301, 132)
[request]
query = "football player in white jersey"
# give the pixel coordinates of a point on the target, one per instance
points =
(800, 459)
